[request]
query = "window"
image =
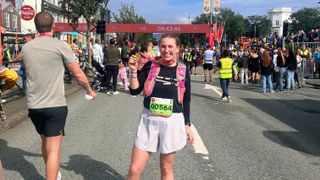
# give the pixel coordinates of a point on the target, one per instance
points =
(7, 19)
(277, 23)
(14, 21)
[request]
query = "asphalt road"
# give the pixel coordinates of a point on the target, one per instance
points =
(257, 136)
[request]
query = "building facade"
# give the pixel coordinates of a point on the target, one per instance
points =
(277, 17)
(10, 18)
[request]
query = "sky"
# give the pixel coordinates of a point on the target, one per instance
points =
(179, 11)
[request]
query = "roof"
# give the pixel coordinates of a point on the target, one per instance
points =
(5, 5)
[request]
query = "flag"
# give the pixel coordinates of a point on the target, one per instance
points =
(211, 39)
(221, 29)
(215, 31)
(206, 6)
(216, 6)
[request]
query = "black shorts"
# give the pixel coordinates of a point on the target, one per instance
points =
(207, 66)
(195, 63)
(49, 121)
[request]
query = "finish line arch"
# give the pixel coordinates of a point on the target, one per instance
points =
(138, 28)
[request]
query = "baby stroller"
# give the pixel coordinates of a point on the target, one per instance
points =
(97, 84)
(98, 77)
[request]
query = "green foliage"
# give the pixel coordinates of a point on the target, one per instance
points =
(90, 10)
(306, 19)
(73, 10)
(127, 15)
(235, 27)
(258, 26)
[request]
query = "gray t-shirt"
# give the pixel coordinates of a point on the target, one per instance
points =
(44, 59)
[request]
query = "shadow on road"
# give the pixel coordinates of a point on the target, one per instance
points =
(293, 140)
(302, 115)
(91, 169)
(13, 159)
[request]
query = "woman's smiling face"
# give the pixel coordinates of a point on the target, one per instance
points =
(169, 49)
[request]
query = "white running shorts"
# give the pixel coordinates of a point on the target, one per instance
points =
(160, 134)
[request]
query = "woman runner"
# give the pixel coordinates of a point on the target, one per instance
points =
(165, 119)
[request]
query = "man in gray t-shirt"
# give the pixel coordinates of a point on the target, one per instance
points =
(45, 59)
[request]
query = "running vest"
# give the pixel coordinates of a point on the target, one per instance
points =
(187, 56)
(153, 73)
(225, 71)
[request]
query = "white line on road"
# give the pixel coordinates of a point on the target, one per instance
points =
(198, 145)
(214, 88)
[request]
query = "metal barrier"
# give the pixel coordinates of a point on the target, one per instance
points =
(307, 68)
(308, 65)
(312, 45)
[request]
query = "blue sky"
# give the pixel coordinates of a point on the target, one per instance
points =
(178, 11)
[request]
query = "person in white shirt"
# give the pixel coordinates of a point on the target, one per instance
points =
(97, 52)
(298, 72)
(208, 64)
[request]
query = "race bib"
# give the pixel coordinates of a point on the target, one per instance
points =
(161, 106)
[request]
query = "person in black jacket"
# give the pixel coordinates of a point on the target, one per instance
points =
(291, 62)
(266, 71)
(281, 65)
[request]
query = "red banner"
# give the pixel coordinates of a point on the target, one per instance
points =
(65, 27)
(141, 28)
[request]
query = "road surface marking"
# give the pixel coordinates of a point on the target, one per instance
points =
(198, 145)
(214, 88)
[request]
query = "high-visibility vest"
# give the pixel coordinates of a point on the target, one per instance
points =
(305, 52)
(225, 71)
(189, 57)
(8, 54)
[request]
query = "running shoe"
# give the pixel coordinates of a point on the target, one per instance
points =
(115, 93)
(224, 99)
(229, 99)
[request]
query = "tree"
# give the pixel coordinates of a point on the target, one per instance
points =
(90, 10)
(306, 19)
(258, 26)
(235, 25)
(127, 15)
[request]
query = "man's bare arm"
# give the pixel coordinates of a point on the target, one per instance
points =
(82, 79)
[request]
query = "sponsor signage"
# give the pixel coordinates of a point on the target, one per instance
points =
(27, 13)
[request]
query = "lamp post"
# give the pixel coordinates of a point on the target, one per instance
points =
(189, 22)
(255, 29)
